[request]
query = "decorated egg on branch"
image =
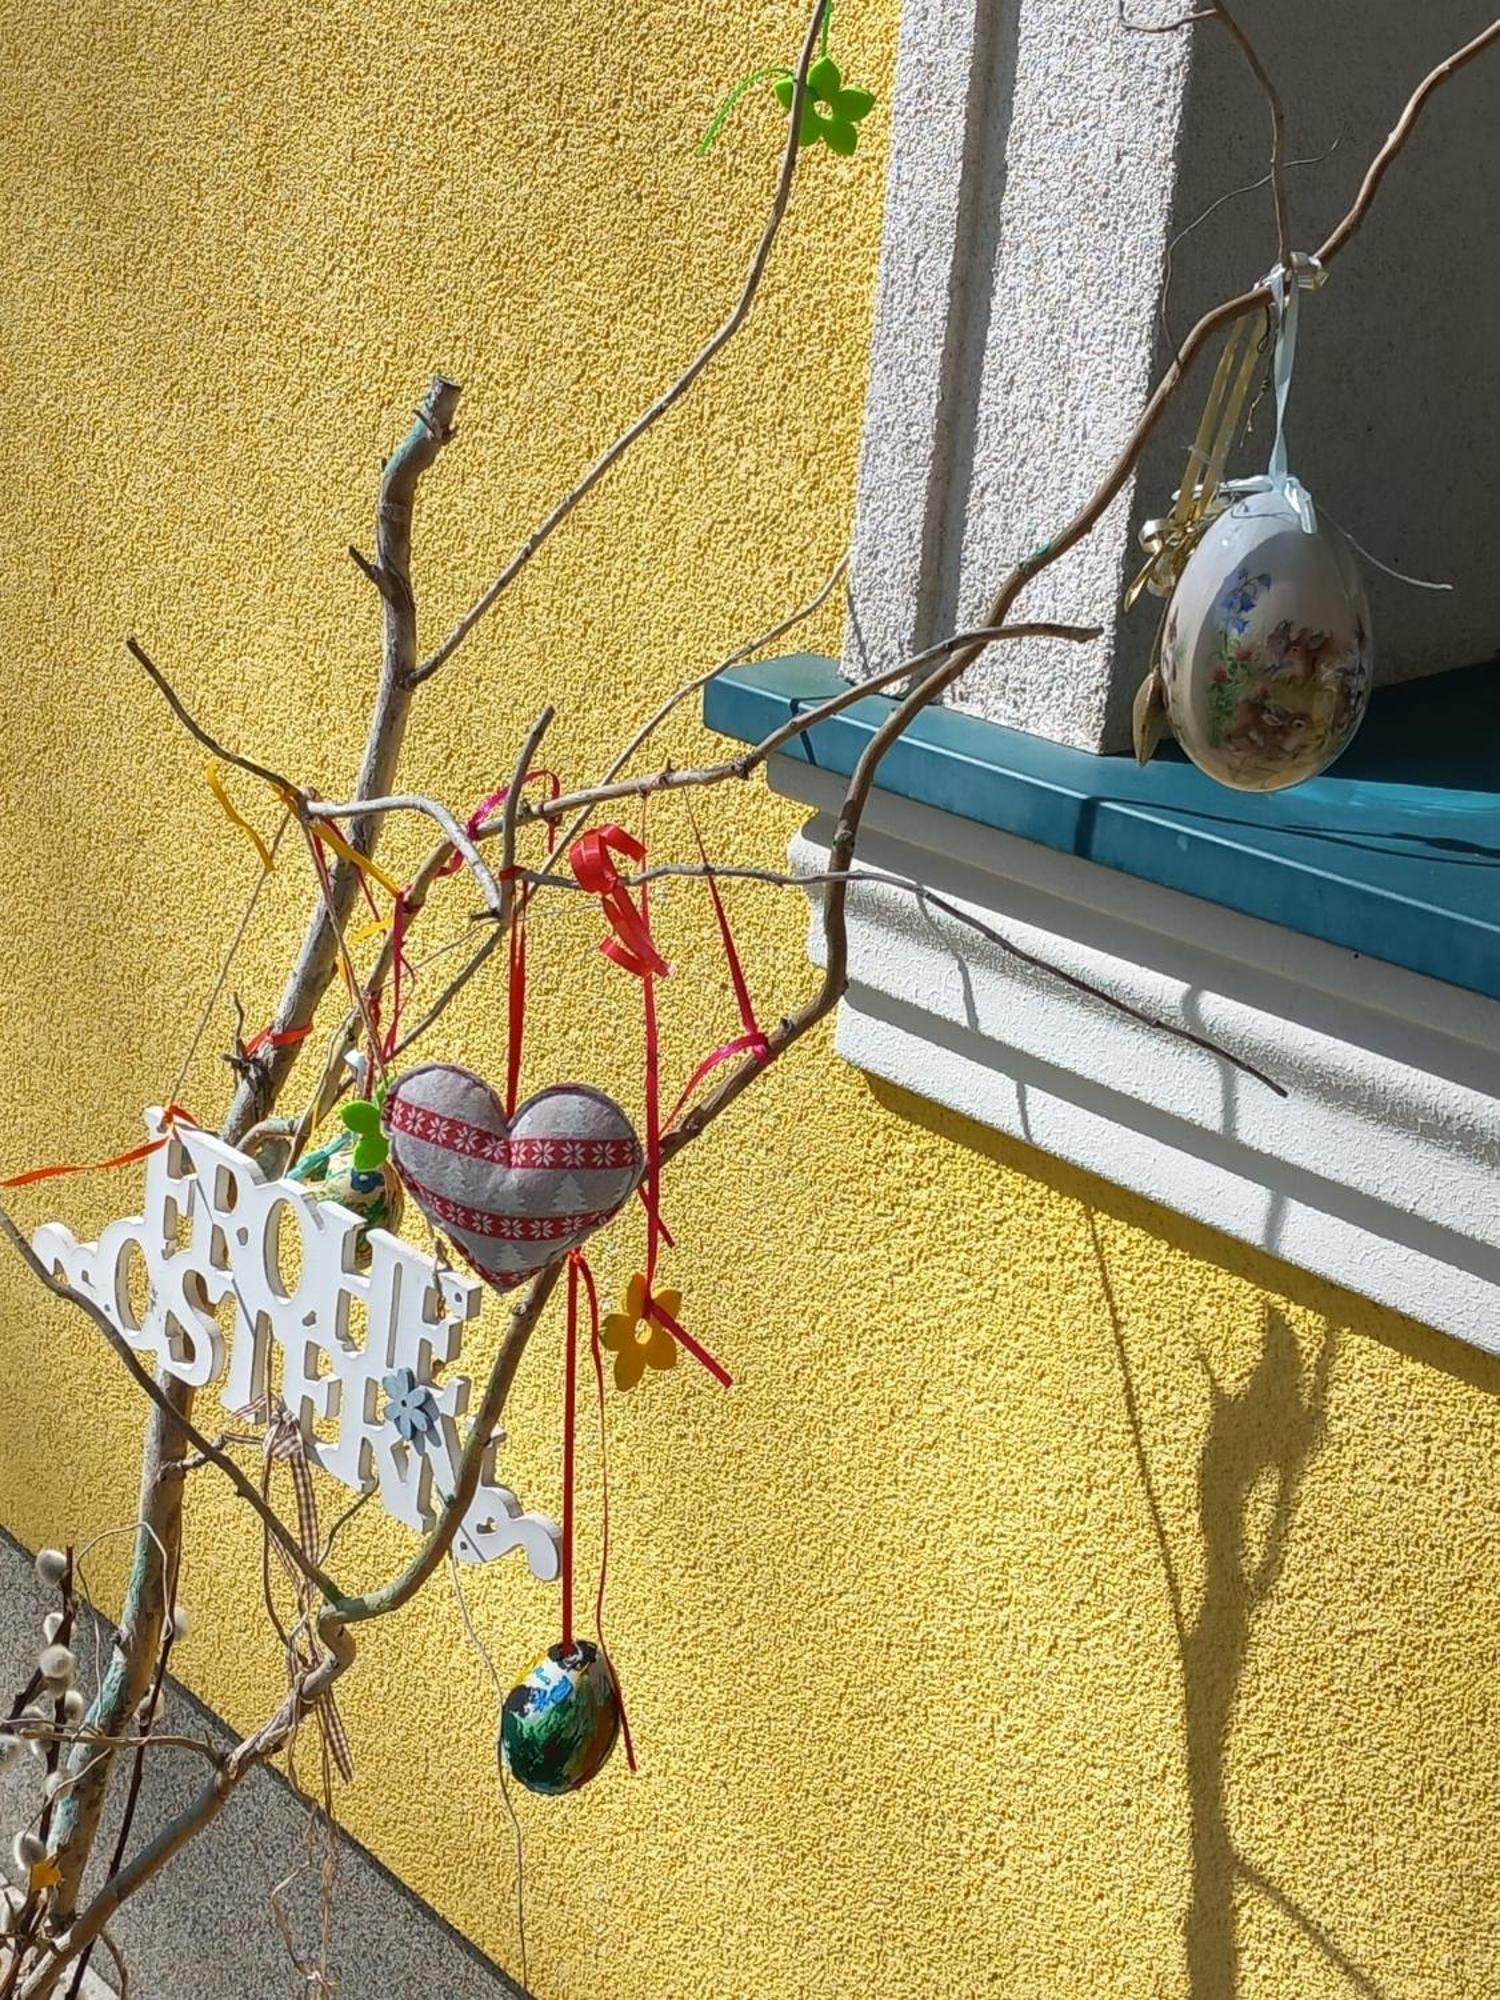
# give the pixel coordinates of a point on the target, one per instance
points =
(1266, 659)
(374, 1196)
(559, 1724)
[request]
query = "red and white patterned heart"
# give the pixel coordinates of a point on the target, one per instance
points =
(511, 1194)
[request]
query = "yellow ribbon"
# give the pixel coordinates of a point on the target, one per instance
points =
(324, 832)
(216, 786)
(1169, 543)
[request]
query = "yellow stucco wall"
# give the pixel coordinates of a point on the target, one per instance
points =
(896, 1618)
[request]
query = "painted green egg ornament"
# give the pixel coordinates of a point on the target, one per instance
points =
(559, 1724)
(375, 1196)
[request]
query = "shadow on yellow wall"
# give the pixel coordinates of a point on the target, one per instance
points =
(1259, 1441)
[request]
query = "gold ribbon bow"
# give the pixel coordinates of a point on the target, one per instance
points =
(1168, 543)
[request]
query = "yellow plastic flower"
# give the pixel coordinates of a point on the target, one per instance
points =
(638, 1343)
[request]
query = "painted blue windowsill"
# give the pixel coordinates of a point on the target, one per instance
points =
(1395, 852)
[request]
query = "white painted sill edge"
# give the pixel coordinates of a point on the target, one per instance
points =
(1377, 1171)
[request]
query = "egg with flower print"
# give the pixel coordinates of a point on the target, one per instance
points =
(1266, 659)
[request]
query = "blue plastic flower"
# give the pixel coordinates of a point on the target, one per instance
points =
(410, 1406)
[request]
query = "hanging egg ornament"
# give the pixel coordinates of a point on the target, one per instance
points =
(374, 1195)
(559, 1724)
(1266, 659)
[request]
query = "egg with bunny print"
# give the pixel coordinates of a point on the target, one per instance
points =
(1266, 659)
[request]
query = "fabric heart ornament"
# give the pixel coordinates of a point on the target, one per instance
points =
(512, 1194)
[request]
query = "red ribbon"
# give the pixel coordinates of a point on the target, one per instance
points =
(515, 1001)
(578, 1269)
(632, 945)
(401, 919)
(276, 1038)
(753, 1041)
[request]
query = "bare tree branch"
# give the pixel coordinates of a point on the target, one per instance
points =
(196, 730)
(678, 389)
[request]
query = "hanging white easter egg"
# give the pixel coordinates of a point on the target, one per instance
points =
(1266, 656)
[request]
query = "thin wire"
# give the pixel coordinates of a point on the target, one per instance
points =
(499, 1686)
(224, 970)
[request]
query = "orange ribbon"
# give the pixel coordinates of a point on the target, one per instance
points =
(175, 1116)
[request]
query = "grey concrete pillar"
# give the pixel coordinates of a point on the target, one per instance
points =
(1045, 164)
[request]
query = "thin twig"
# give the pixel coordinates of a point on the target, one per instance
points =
(510, 817)
(252, 903)
(196, 730)
(883, 878)
(696, 685)
(1234, 194)
(1278, 129)
(677, 390)
(47, 1732)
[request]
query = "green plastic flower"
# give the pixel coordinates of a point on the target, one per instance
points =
(829, 111)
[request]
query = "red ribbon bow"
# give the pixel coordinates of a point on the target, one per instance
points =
(590, 858)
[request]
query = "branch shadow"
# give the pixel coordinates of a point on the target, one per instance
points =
(1260, 1440)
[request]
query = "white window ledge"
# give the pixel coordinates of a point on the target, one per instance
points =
(1376, 1170)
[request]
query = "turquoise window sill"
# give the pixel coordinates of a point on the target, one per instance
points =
(1394, 853)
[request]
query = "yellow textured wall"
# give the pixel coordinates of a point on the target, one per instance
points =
(1065, 1602)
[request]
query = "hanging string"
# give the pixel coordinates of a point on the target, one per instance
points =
(1286, 287)
(746, 83)
(515, 1004)
(596, 1351)
(631, 946)
(472, 1634)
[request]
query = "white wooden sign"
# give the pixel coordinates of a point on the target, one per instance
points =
(216, 1229)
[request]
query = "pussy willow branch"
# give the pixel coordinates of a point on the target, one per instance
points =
(713, 346)
(332, 1625)
(134, 1654)
(156, 1740)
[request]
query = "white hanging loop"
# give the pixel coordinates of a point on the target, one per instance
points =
(1305, 274)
